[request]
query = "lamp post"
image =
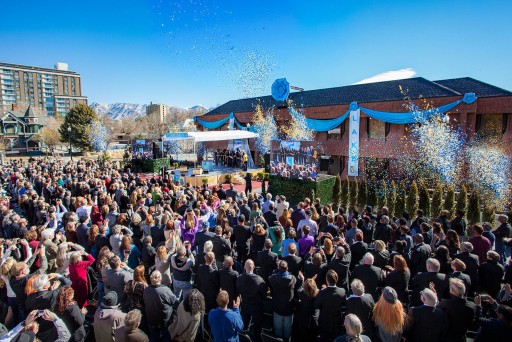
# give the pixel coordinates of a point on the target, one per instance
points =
(70, 149)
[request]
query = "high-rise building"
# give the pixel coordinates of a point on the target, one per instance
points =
(159, 109)
(53, 91)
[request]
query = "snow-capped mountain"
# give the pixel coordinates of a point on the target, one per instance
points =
(120, 111)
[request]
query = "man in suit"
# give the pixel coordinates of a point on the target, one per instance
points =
(330, 301)
(207, 281)
(427, 322)
(221, 247)
(460, 311)
(341, 263)
(232, 192)
(244, 208)
(423, 280)
(370, 275)
(282, 284)
(227, 279)
(270, 215)
(293, 260)
(419, 255)
(242, 234)
(472, 264)
(266, 261)
(458, 267)
(253, 290)
(503, 232)
(203, 234)
(358, 249)
(361, 304)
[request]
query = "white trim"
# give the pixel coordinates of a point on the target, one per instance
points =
(14, 116)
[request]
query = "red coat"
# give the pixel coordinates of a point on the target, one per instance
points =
(78, 276)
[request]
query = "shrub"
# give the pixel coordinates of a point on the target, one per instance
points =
(474, 208)
(437, 200)
(392, 198)
(354, 190)
(372, 193)
(382, 194)
(449, 201)
(424, 199)
(462, 199)
(489, 214)
(362, 196)
(412, 199)
(345, 188)
(336, 194)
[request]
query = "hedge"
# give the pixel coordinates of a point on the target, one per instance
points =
(296, 190)
(150, 165)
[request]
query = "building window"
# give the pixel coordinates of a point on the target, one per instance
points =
(337, 133)
(490, 125)
(376, 129)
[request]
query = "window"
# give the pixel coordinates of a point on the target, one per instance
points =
(376, 129)
(490, 125)
(337, 133)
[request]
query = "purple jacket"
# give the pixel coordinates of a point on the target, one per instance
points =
(305, 244)
(189, 235)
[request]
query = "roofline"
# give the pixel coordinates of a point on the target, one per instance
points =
(474, 79)
(38, 69)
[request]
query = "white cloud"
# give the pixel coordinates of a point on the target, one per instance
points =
(390, 76)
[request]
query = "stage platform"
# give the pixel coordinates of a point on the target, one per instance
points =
(218, 175)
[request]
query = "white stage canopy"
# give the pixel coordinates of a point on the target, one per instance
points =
(210, 136)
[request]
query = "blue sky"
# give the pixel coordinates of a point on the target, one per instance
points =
(208, 52)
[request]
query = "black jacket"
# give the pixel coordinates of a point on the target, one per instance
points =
(305, 312)
(207, 281)
(399, 281)
(271, 217)
(200, 240)
(74, 320)
(491, 273)
(461, 314)
(221, 248)
(371, 277)
(252, 288)
(294, 264)
(362, 307)
(341, 267)
(227, 281)
(331, 301)
(427, 324)
(358, 250)
(419, 255)
(158, 304)
(472, 266)
(282, 286)
(267, 263)
(423, 280)
(242, 235)
(148, 256)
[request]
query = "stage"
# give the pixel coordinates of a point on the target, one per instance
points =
(218, 175)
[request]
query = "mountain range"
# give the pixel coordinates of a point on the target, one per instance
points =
(119, 111)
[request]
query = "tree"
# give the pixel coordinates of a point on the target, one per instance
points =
(449, 201)
(382, 194)
(474, 208)
(345, 188)
(336, 190)
(462, 199)
(363, 194)
(400, 200)
(392, 197)
(49, 135)
(412, 199)
(354, 190)
(313, 197)
(437, 200)
(424, 199)
(489, 214)
(79, 119)
(372, 192)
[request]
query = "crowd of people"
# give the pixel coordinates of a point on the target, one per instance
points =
(94, 252)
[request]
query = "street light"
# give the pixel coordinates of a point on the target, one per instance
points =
(70, 150)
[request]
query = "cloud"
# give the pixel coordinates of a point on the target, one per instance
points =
(390, 76)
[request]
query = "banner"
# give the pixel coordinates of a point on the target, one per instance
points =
(353, 143)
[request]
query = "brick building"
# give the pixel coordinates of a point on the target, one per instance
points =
(381, 143)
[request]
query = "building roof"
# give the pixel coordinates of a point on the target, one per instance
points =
(470, 85)
(28, 113)
(397, 90)
(38, 69)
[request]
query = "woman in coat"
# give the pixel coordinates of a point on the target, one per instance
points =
(78, 276)
(306, 316)
(67, 309)
(185, 325)
(399, 278)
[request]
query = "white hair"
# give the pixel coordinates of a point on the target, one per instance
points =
(156, 278)
(357, 287)
(47, 234)
(433, 265)
(40, 283)
(208, 246)
(368, 259)
(269, 196)
(429, 297)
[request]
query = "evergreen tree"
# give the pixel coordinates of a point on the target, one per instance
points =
(400, 200)
(462, 199)
(336, 195)
(372, 193)
(313, 197)
(345, 188)
(382, 193)
(424, 199)
(392, 198)
(354, 190)
(79, 119)
(437, 200)
(489, 214)
(412, 200)
(449, 201)
(362, 196)
(474, 208)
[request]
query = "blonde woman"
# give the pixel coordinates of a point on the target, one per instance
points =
(63, 254)
(354, 330)
(389, 316)
(162, 264)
